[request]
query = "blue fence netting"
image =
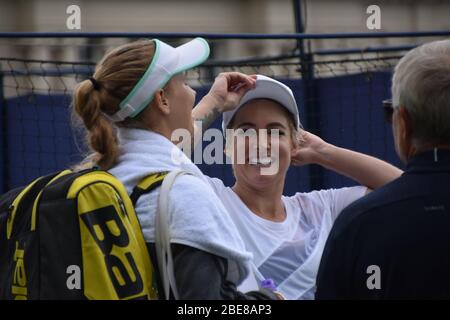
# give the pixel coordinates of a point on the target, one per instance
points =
(340, 100)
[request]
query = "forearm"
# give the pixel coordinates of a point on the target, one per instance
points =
(364, 169)
(226, 92)
(203, 115)
(206, 111)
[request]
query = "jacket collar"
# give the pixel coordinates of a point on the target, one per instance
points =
(431, 160)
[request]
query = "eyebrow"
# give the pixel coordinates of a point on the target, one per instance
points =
(243, 124)
(269, 125)
(276, 124)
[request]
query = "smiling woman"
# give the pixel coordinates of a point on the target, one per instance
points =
(287, 234)
(270, 120)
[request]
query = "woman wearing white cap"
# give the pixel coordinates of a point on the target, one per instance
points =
(287, 234)
(139, 91)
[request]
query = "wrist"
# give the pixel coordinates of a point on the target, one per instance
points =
(322, 154)
(214, 102)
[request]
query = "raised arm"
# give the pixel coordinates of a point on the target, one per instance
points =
(226, 92)
(366, 170)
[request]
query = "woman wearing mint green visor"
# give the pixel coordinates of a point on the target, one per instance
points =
(285, 234)
(130, 106)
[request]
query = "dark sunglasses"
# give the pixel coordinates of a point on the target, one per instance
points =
(388, 110)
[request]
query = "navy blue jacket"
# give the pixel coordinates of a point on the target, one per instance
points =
(395, 242)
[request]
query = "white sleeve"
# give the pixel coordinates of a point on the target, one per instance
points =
(339, 199)
(329, 202)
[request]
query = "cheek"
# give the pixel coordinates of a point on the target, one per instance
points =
(282, 149)
(189, 95)
(237, 150)
(186, 100)
(185, 97)
(239, 144)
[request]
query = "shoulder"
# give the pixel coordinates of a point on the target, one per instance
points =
(322, 207)
(193, 193)
(217, 184)
(326, 196)
(333, 200)
(192, 185)
(376, 203)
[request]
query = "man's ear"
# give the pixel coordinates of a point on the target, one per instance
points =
(404, 133)
(161, 102)
(405, 124)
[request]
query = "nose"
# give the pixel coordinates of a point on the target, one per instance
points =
(261, 144)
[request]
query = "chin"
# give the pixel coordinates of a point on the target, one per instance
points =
(257, 178)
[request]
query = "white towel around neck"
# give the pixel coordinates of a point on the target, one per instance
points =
(197, 216)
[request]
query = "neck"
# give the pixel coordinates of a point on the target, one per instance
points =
(419, 148)
(155, 122)
(264, 202)
(162, 129)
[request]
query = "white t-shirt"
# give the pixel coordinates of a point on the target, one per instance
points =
(289, 252)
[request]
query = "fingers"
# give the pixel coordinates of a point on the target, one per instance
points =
(243, 89)
(231, 87)
(236, 80)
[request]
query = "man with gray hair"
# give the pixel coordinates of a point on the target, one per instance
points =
(395, 242)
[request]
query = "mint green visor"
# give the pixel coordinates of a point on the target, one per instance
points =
(167, 62)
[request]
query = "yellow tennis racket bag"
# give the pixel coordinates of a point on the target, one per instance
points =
(75, 235)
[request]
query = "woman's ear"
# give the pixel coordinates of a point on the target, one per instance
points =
(294, 147)
(298, 137)
(161, 102)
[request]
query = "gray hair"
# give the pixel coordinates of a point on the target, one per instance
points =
(421, 84)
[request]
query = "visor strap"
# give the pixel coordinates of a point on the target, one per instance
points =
(122, 114)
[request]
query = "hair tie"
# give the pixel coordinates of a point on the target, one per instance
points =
(95, 83)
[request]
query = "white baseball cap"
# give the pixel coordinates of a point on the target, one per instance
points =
(167, 61)
(267, 88)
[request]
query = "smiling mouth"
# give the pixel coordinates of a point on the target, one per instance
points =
(266, 161)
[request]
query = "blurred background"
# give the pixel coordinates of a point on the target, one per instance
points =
(339, 80)
(215, 16)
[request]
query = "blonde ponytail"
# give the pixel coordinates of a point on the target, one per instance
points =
(101, 135)
(95, 98)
